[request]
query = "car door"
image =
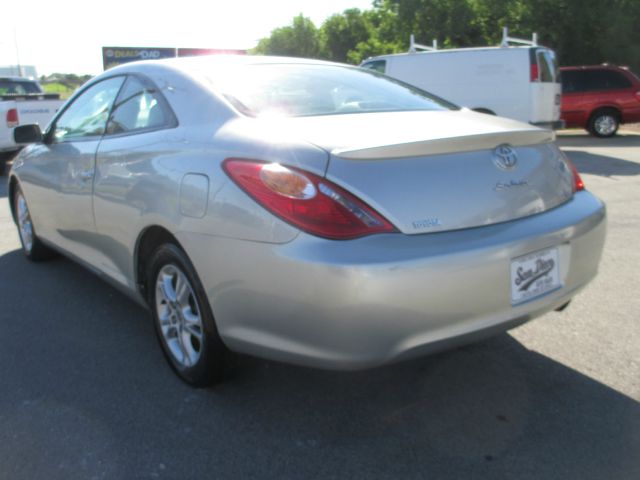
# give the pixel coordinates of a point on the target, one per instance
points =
(574, 109)
(61, 170)
(546, 91)
(129, 180)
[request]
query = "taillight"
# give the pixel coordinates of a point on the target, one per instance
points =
(638, 95)
(535, 72)
(578, 184)
(305, 200)
(12, 117)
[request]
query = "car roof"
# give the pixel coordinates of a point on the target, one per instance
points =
(594, 67)
(208, 63)
(459, 50)
(220, 61)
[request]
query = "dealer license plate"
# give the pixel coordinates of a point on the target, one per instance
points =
(534, 275)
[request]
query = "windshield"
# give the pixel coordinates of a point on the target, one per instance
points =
(297, 90)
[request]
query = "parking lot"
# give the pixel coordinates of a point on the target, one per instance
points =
(85, 392)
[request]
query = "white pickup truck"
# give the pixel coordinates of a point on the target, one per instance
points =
(22, 102)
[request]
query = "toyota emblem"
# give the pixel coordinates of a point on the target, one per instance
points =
(505, 157)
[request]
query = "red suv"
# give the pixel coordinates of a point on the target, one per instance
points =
(599, 98)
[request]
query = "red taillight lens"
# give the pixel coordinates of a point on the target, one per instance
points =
(578, 184)
(638, 95)
(306, 201)
(535, 73)
(12, 118)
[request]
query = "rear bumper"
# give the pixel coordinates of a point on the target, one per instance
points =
(383, 298)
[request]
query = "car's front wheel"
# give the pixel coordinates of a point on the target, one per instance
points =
(604, 123)
(32, 246)
(183, 319)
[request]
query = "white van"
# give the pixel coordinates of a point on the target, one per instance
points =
(519, 82)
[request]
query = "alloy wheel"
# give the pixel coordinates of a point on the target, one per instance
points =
(179, 316)
(25, 226)
(605, 125)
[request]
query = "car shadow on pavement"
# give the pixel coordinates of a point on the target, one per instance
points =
(4, 187)
(86, 393)
(602, 165)
(583, 139)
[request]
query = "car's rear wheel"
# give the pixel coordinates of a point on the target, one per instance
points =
(604, 123)
(183, 319)
(32, 246)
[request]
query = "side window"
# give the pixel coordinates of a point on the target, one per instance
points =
(597, 80)
(572, 81)
(607, 80)
(615, 80)
(138, 107)
(377, 65)
(87, 115)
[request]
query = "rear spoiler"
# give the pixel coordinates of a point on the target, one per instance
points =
(440, 146)
(30, 96)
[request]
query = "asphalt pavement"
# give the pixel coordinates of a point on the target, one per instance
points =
(85, 392)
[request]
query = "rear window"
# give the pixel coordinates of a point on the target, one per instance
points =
(547, 66)
(308, 90)
(591, 80)
(17, 87)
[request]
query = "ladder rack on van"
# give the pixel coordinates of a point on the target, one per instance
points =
(506, 39)
(414, 47)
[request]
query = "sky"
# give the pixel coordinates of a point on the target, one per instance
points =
(68, 37)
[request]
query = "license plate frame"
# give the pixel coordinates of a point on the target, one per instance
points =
(535, 274)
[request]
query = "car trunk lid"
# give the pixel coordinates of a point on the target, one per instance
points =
(440, 171)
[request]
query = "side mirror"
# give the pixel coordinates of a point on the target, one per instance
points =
(27, 134)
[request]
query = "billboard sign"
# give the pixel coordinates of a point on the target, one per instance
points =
(112, 56)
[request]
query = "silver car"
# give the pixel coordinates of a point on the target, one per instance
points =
(303, 211)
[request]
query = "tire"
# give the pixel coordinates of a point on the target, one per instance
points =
(604, 123)
(32, 246)
(183, 319)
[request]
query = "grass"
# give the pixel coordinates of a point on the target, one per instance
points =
(55, 87)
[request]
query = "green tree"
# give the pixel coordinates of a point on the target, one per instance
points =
(451, 22)
(491, 15)
(300, 39)
(581, 31)
(382, 38)
(588, 31)
(341, 32)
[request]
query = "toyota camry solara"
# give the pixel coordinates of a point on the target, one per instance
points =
(304, 211)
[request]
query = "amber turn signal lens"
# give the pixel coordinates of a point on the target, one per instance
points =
(287, 182)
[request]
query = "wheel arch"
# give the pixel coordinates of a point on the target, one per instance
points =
(13, 183)
(606, 108)
(149, 239)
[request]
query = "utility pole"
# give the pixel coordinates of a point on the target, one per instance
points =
(15, 41)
